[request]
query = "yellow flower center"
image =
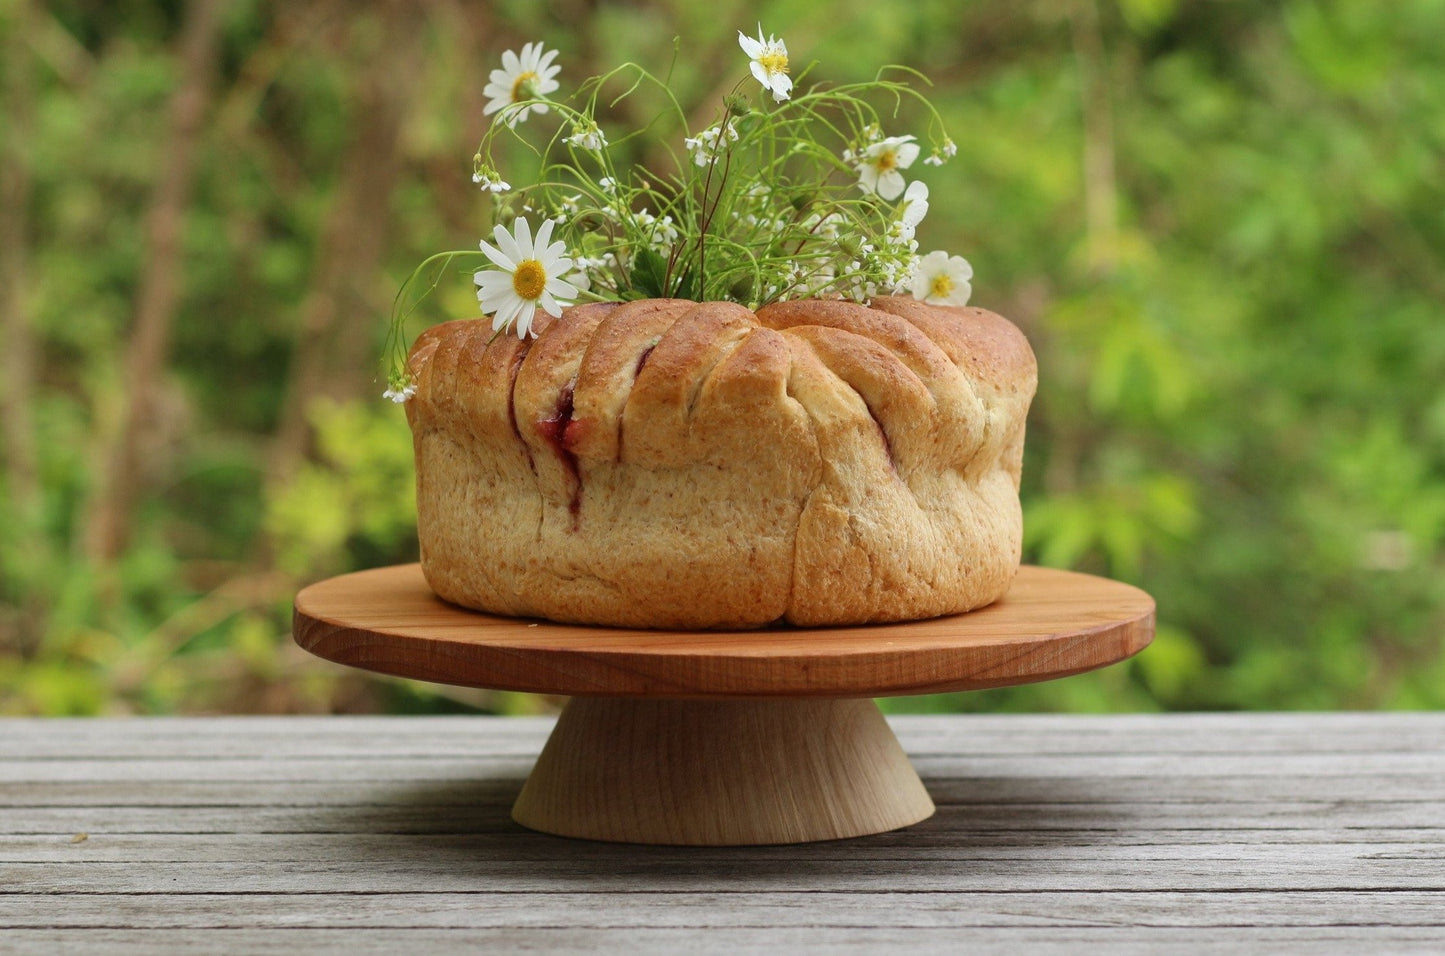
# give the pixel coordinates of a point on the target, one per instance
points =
(940, 286)
(774, 62)
(530, 279)
(887, 161)
(524, 86)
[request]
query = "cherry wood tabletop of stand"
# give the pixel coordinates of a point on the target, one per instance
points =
(1050, 624)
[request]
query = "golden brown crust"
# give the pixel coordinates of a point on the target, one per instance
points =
(674, 464)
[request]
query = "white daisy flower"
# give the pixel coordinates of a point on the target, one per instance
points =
(769, 63)
(528, 274)
(704, 146)
(521, 78)
(400, 391)
(588, 137)
(915, 207)
(879, 165)
(941, 279)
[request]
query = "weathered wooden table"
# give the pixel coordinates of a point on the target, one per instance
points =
(1282, 833)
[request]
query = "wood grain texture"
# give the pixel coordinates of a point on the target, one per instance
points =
(1050, 624)
(721, 773)
(1282, 833)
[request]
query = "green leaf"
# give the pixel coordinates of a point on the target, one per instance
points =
(649, 271)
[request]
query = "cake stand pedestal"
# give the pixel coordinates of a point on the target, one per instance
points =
(720, 738)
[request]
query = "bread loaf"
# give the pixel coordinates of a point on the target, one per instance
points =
(673, 464)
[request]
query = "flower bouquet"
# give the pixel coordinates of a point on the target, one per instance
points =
(720, 393)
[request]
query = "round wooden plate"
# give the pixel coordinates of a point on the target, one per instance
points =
(1050, 624)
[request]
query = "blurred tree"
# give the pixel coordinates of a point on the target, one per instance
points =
(1218, 223)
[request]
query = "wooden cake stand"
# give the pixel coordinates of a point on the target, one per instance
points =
(724, 738)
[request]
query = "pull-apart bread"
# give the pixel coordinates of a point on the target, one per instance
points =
(673, 464)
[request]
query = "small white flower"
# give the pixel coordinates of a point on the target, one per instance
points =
(769, 63)
(608, 184)
(593, 271)
(941, 279)
(490, 181)
(704, 146)
(939, 156)
(879, 165)
(827, 227)
(661, 230)
(521, 78)
(579, 279)
(915, 207)
(528, 274)
(567, 209)
(588, 137)
(400, 391)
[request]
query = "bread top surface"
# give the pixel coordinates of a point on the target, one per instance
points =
(620, 381)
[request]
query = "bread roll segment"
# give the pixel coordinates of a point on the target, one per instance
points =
(680, 465)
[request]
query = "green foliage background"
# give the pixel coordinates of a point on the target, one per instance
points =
(1219, 224)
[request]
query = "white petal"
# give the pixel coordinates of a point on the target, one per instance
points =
(544, 236)
(907, 153)
(495, 304)
(509, 246)
(511, 63)
(868, 177)
(523, 231)
(499, 258)
(561, 288)
(760, 74)
(490, 283)
(891, 184)
(525, 315)
(506, 306)
(753, 48)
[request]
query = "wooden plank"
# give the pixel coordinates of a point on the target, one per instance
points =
(509, 843)
(492, 806)
(44, 772)
(210, 738)
(902, 911)
(1427, 790)
(954, 735)
(1266, 869)
(1005, 941)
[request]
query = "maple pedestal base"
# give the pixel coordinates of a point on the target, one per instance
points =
(721, 772)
